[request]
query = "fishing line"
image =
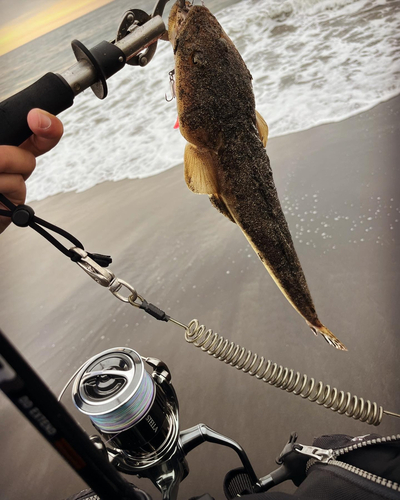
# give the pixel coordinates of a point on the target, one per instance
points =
(132, 409)
(115, 391)
(129, 413)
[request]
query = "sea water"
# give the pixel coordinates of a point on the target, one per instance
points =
(312, 61)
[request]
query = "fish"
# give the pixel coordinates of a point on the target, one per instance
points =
(225, 155)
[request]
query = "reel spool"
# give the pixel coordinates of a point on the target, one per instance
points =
(128, 406)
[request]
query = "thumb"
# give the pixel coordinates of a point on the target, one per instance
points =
(47, 131)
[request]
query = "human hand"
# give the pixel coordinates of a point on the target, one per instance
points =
(17, 163)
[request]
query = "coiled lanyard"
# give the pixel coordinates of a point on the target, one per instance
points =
(212, 343)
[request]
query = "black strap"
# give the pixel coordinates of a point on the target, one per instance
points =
(23, 216)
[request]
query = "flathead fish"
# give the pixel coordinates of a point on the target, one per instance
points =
(225, 156)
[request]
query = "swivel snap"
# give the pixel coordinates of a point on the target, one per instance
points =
(104, 277)
(116, 286)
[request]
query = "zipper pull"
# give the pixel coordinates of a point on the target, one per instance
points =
(313, 452)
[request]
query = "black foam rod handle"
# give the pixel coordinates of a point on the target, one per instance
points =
(50, 93)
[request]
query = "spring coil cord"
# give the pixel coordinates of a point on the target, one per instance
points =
(208, 341)
(283, 378)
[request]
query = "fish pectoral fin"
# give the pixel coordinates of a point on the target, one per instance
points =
(200, 175)
(220, 205)
(262, 128)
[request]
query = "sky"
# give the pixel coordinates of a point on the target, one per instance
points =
(23, 20)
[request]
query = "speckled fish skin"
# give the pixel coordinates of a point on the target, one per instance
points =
(225, 157)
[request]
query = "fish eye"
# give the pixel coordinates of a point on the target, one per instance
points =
(196, 58)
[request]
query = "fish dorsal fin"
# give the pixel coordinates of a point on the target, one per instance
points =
(262, 128)
(200, 174)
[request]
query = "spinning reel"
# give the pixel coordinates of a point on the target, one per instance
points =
(137, 415)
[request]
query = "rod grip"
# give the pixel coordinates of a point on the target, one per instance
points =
(50, 93)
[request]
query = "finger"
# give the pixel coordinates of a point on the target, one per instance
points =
(47, 131)
(15, 160)
(13, 187)
(4, 223)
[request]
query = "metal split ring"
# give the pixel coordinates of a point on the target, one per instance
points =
(132, 299)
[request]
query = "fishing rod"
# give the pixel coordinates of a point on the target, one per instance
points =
(135, 45)
(33, 398)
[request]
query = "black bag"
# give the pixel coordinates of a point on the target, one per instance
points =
(362, 468)
(336, 467)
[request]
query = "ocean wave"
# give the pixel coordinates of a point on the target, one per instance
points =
(277, 10)
(325, 62)
(313, 62)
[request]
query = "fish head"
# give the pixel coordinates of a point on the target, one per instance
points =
(177, 17)
(213, 85)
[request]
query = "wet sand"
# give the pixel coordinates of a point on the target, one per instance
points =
(339, 186)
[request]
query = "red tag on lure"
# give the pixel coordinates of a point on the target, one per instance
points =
(176, 124)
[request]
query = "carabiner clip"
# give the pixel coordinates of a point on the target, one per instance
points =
(99, 274)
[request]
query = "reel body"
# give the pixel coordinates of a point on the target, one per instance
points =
(137, 416)
(136, 413)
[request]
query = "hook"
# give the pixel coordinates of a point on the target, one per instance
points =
(172, 86)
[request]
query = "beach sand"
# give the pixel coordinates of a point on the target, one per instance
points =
(339, 187)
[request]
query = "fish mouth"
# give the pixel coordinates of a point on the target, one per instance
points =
(178, 15)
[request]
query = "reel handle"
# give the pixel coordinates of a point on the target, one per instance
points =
(51, 93)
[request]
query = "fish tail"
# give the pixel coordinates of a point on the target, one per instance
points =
(328, 336)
